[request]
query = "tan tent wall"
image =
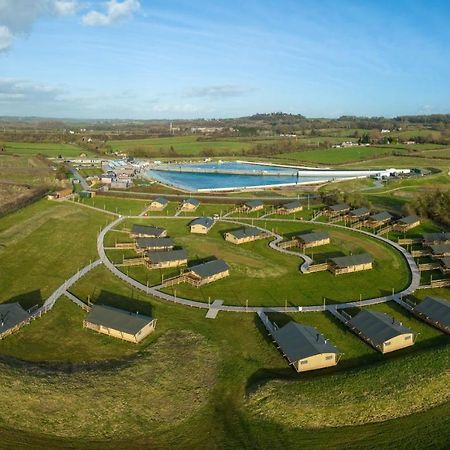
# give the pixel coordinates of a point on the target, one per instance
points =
(315, 362)
(406, 227)
(397, 343)
(199, 229)
(188, 207)
(166, 264)
(144, 332)
(314, 243)
(350, 269)
(285, 211)
(231, 238)
(202, 281)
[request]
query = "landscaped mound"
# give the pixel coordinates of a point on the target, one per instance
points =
(167, 384)
(395, 388)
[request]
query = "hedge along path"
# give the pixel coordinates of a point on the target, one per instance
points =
(155, 291)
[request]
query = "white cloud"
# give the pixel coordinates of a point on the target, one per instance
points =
(6, 37)
(115, 11)
(18, 16)
(66, 7)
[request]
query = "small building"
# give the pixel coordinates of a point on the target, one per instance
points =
(190, 204)
(349, 264)
(440, 250)
(208, 272)
(201, 225)
(147, 231)
(12, 317)
(407, 223)
(435, 311)
(63, 193)
(358, 214)
(251, 206)
(337, 210)
(381, 331)
(444, 265)
(305, 347)
(118, 323)
(158, 204)
(436, 238)
(107, 178)
(380, 219)
(246, 234)
(154, 244)
(309, 240)
(290, 207)
(165, 259)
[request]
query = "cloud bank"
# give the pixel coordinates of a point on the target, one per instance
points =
(218, 91)
(115, 11)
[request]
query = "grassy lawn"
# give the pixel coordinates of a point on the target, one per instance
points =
(118, 205)
(279, 279)
(47, 149)
(187, 145)
(40, 246)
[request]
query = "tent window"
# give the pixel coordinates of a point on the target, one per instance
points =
(407, 338)
(387, 343)
(305, 361)
(329, 357)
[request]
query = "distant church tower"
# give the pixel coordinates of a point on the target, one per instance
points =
(171, 128)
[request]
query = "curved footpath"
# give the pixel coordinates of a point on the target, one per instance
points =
(154, 291)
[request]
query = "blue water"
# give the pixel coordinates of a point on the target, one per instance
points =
(193, 181)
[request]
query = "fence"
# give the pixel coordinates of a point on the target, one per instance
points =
(125, 245)
(131, 262)
(428, 266)
(406, 241)
(317, 268)
(288, 244)
(417, 253)
(385, 230)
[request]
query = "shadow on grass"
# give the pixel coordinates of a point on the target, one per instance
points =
(28, 299)
(127, 303)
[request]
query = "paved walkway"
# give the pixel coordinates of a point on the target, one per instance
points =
(154, 291)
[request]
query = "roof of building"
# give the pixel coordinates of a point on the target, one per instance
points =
(381, 216)
(191, 201)
(204, 221)
(378, 327)
(210, 268)
(291, 205)
(353, 260)
(359, 212)
(435, 308)
(246, 232)
(339, 207)
(253, 203)
(437, 237)
(439, 249)
(300, 341)
(307, 238)
(154, 242)
(445, 262)
(117, 319)
(11, 314)
(171, 255)
(147, 230)
(160, 200)
(408, 220)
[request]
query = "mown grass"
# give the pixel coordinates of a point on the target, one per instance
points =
(279, 280)
(44, 148)
(43, 245)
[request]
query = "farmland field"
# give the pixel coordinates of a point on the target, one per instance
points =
(47, 149)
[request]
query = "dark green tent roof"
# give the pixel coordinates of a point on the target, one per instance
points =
(300, 341)
(170, 255)
(440, 249)
(359, 212)
(147, 230)
(436, 309)
(353, 260)
(408, 220)
(339, 207)
(205, 221)
(381, 216)
(436, 237)
(154, 242)
(11, 314)
(378, 327)
(246, 232)
(210, 268)
(307, 238)
(117, 319)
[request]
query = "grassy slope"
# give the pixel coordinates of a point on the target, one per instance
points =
(47, 149)
(40, 246)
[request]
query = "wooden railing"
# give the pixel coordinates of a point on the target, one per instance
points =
(317, 268)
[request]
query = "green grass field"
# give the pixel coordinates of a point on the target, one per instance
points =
(279, 279)
(68, 387)
(47, 149)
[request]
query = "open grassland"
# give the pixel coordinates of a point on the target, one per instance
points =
(186, 145)
(32, 171)
(44, 244)
(125, 206)
(47, 149)
(222, 368)
(279, 280)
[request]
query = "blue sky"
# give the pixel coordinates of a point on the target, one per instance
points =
(189, 58)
